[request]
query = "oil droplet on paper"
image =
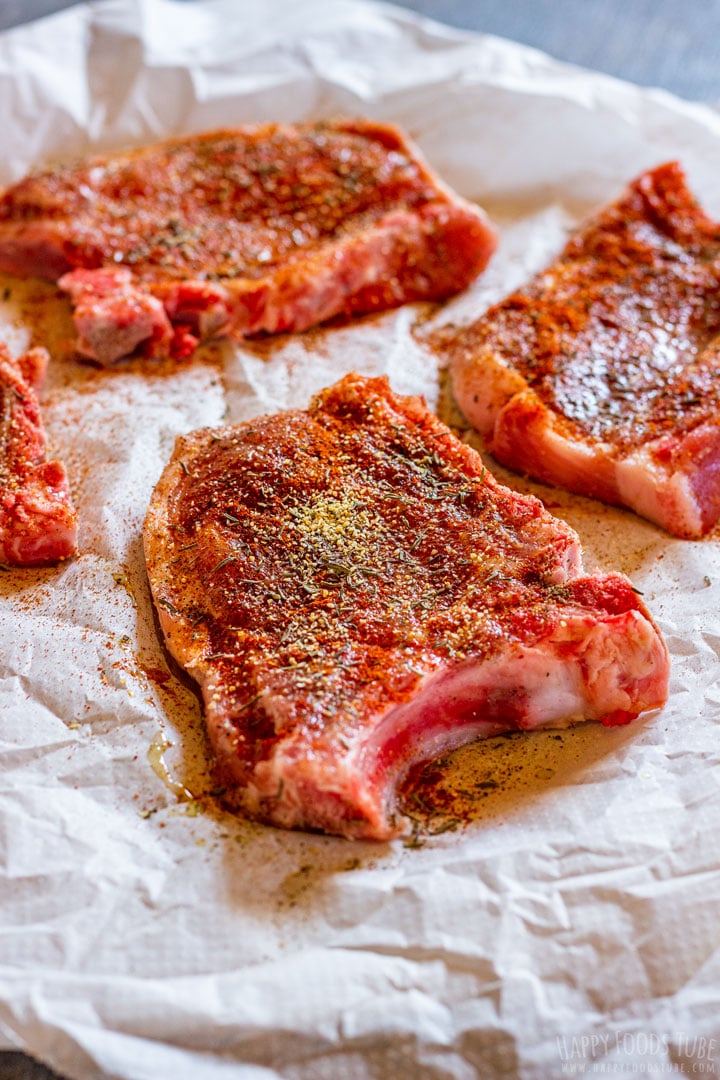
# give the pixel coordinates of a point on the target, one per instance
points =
(156, 757)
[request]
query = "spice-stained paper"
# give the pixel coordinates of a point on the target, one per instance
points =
(569, 923)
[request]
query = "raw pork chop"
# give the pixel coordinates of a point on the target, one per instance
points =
(38, 523)
(354, 592)
(236, 232)
(602, 374)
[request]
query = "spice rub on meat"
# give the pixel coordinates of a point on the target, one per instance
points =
(602, 374)
(38, 522)
(258, 229)
(354, 593)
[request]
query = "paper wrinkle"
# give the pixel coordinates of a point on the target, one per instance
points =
(143, 937)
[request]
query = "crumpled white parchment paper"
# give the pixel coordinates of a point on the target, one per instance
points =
(572, 926)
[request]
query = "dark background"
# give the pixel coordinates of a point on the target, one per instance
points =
(673, 44)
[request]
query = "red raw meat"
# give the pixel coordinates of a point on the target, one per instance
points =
(602, 374)
(260, 229)
(38, 523)
(354, 593)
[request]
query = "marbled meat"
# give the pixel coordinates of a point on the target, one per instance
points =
(354, 593)
(239, 232)
(38, 522)
(602, 374)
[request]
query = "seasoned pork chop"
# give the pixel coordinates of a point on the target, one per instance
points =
(354, 592)
(602, 374)
(38, 523)
(260, 229)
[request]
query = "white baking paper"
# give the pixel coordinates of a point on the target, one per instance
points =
(573, 926)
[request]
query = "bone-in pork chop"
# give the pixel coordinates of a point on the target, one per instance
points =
(38, 523)
(602, 374)
(354, 592)
(260, 229)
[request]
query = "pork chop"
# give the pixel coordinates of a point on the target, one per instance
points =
(38, 522)
(259, 229)
(354, 592)
(601, 375)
